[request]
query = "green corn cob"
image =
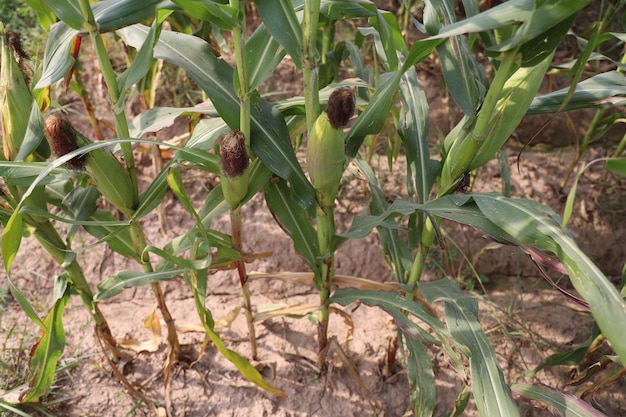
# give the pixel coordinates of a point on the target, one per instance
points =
(326, 154)
(109, 176)
(234, 168)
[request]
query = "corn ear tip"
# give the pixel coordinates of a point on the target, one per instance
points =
(235, 159)
(340, 108)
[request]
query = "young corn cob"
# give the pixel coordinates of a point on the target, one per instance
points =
(326, 153)
(105, 170)
(234, 168)
(16, 100)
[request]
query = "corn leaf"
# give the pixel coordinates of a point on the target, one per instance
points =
(47, 352)
(114, 284)
(602, 90)
(457, 64)
(421, 378)
(617, 165)
(527, 222)
(45, 15)
(110, 15)
(395, 305)
(68, 11)
(492, 394)
(263, 54)
(220, 15)
(294, 220)
(375, 114)
(249, 372)
(566, 405)
(544, 16)
(103, 226)
(143, 60)
(422, 171)
(393, 246)
(11, 239)
(279, 17)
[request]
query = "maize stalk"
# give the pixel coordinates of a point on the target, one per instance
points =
(326, 160)
(234, 179)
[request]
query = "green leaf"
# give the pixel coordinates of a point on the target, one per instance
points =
(375, 114)
(294, 220)
(68, 11)
(565, 404)
(602, 90)
(421, 378)
(195, 264)
(263, 54)
(460, 71)
(117, 236)
(393, 245)
(505, 14)
(492, 394)
(198, 286)
(45, 16)
(25, 305)
(617, 165)
(413, 130)
(114, 284)
(157, 118)
(544, 16)
(395, 305)
(11, 239)
(34, 136)
(141, 64)
(279, 17)
(110, 15)
(220, 15)
(48, 350)
(533, 224)
(154, 194)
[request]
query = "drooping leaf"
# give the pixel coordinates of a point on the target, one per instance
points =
(603, 90)
(565, 404)
(47, 352)
(114, 284)
(294, 220)
(110, 15)
(421, 378)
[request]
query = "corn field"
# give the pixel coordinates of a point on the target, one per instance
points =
(358, 75)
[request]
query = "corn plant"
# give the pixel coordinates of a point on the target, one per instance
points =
(258, 142)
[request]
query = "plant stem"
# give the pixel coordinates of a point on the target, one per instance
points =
(121, 127)
(325, 231)
(309, 61)
(236, 221)
(110, 79)
(139, 243)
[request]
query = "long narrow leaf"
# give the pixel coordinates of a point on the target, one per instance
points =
(280, 19)
(525, 220)
(47, 352)
(566, 405)
(114, 284)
